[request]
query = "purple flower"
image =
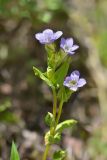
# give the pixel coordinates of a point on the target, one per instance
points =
(67, 45)
(48, 36)
(73, 82)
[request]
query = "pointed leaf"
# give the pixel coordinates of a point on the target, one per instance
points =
(57, 138)
(49, 119)
(60, 73)
(14, 153)
(42, 76)
(66, 124)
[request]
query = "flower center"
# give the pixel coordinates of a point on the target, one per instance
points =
(49, 38)
(66, 47)
(73, 82)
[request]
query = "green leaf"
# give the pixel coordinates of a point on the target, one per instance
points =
(52, 139)
(57, 138)
(49, 72)
(49, 119)
(49, 139)
(60, 73)
(65, 124)
(14, 153)
(59, 155)
(42, 76)
(65, 93)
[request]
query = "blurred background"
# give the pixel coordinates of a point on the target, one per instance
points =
(24, 99)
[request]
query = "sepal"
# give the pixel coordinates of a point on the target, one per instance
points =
(50, 49)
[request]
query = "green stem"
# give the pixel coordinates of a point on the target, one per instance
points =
(59, 112)
(54, 103)
(46, 152)
(52, 128)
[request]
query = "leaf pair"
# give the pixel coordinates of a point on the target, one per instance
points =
(52, 139)
(50, 121)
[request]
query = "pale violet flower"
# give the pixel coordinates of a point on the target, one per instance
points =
(68, 46)
(73, 82)
(48, 36)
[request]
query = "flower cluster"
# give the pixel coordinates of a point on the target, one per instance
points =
(58, 62)
(73, 82)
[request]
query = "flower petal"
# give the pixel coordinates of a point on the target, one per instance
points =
(66, 82)
(39, 36)
(76, 72)
(73, 88)
(74, 47)
(75, 75)
(70, 52)
(48, 32)
(81, 82)
(67, 78)
(69, 42)
(62, 43)
(57, 34)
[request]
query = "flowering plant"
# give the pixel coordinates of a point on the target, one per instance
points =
(63, 87)
(58, 63)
